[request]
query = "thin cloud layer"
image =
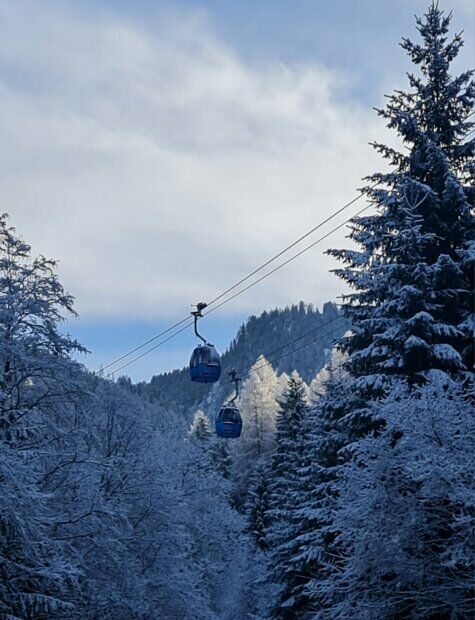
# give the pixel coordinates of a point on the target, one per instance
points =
(160, 167)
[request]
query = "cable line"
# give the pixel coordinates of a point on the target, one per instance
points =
(289, 247)
(289, 260)
(233, 287)
(159, 344)
(144, 344)
(246, 288)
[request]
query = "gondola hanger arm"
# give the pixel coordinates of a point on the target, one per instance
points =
(197, 314)
(234, 379)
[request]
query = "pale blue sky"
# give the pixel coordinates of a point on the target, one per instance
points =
(162, 150)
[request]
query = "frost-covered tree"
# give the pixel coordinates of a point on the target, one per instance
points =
(106, 482)
(257, 507)
(200, 430)
(73, 478)
(287, 455)
(410, 310)
(258, 406)
(317, 385)
(292, 407)
(282, 381)
(35, 365)
(35, 374)
(221, 457)
(411, 306)
(286, 465)
(305, 552)
(108, 509)
(409, 313)
(258, 409)
(405, 512)
(332, 369)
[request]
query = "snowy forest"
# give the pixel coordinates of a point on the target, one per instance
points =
(349, 494)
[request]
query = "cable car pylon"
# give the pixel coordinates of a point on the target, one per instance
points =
(228, 422)
(205, 364)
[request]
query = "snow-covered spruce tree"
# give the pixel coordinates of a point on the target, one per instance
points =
(221, 457)
(200, 430)
(286, 465)
(258, 408)
(334, 368)
(405, 517)
(306, 553)
(35, 374)
(411, 306)
(287, 454)
(258, 505)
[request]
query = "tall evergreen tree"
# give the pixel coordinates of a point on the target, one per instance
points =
(257, 506)
(221, 457)
(287, 454)
(306, 554)
(411, 308)
(286, 464)
(200, 431)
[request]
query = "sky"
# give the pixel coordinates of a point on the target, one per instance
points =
(162, 150)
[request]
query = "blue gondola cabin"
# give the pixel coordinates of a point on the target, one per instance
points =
(228, 423)
(205, 365)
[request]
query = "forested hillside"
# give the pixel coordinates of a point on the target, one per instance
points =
(312, 333)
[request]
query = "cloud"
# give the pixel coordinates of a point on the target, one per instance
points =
(159, 166)
(467, 5)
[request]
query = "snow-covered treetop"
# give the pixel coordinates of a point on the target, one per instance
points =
(412, 278)
(32, 301)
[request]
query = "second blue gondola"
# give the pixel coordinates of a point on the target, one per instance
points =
(228, 423)
(205, 364)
